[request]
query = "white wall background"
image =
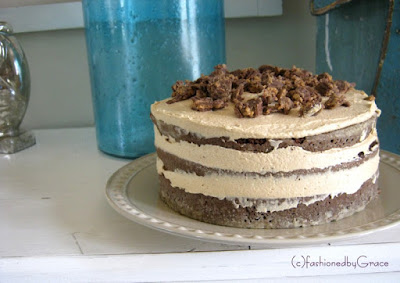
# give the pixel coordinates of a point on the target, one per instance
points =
(19, 3)
(60, 95)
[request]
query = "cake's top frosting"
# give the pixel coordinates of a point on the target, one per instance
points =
(278, 90)
(224, 123)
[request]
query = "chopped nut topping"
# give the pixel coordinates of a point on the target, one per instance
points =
(202, 104)
(285, 104)
(370, 98)
(275, 90)
(310, 109)
(181, 91)
(250, 109)
(336, 100)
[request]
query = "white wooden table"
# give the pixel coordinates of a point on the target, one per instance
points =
(57, 225)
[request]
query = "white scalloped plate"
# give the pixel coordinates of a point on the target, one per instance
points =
(133, 192)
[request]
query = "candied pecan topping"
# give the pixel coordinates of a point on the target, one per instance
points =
(219, 104)
(324, 88)
(344, 86)
(181, 91)
(250, 109)
(285, 104)
(219, 87)
(268, 68)
(270, 94)
(202, 104)
(336, 100)
(275, 90)
(237, 92)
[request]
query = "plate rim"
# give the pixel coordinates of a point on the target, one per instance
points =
(117, 197)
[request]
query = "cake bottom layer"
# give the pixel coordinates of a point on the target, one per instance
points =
(224, 212)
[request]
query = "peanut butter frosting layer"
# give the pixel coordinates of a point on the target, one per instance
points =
(218, 185)
(336, 139)
(223, 123)
(286, 159)
(174, 163)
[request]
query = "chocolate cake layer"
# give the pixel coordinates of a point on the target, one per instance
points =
(228, 213)
(172, 162)
(336, 139)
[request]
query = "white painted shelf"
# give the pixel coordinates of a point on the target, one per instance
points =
(57, 225)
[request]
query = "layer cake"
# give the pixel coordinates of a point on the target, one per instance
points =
(266, 148)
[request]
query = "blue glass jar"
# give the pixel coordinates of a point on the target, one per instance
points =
(136, 50)
(359, 41)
